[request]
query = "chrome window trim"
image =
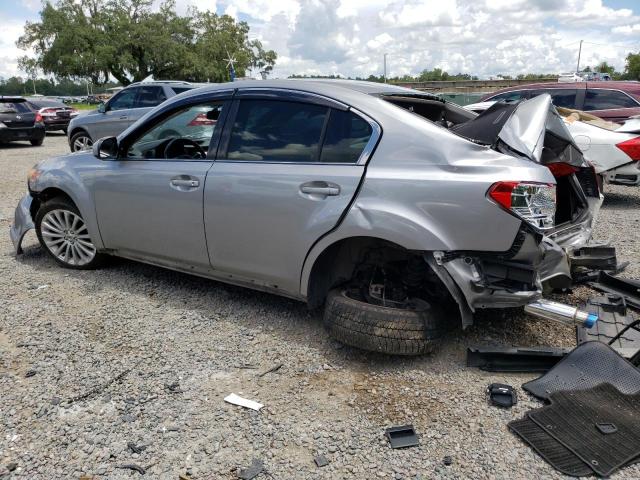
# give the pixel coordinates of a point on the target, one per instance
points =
(376, 133)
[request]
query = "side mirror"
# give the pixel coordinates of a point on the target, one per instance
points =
(106, 148)
(102, 108)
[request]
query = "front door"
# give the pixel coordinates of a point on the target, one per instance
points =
(149, 203)
(115, 119)
(283, 178)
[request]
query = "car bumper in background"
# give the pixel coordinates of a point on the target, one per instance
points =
(22, 223)
(21, 133)
(58, 124)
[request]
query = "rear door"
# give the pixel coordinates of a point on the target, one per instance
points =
(288, 166)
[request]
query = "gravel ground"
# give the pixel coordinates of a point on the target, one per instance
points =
(176, 345)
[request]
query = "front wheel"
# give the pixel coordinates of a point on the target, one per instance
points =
(413, 330)
(63, 233)
(81, 141)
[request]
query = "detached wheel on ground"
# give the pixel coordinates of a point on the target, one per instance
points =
(81, 141)
(395, 331)
(63, 234)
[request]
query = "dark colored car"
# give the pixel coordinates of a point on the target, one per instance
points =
(56, 115)
(19, 122)
(614, 101)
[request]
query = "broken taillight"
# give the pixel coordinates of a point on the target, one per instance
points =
(534, 203)
(201, 119)
(631, 147)
(561, 169)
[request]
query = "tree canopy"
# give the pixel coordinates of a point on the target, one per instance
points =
(129, 40)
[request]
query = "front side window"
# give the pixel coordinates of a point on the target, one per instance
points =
(277, 131)
(150, 97)
(560, 97)
(607, 100)
(347, 135)
(185, 134)
(124, 99)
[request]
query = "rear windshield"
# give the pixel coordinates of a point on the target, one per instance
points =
(20, 107)
(47, 104)
(179, 90)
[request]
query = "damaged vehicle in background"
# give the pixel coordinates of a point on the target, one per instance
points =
(402, 214)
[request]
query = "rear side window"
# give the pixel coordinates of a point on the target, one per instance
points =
(561, 97)
(607, 100)
(277, 131)
(150, 97)
(509, 96)
(347, 135)
(179, 90)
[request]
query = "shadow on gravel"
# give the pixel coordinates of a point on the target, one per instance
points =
(15, 145)
(621, 201)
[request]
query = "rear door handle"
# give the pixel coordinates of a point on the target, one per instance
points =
(185, 183)
(123, 117)
(320, 188)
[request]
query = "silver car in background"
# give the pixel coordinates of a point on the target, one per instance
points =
(121, 111)
(402, 214)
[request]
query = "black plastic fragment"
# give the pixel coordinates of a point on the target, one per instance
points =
(629, 289)
(587, 366)
(252, 471)
(447, 460)
(321, 461)
(515, 359)
(502, 395)
(601, 258)
(402, 437)
(611, 327)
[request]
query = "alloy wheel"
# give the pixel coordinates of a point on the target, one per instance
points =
(67, 238)
(82, 143)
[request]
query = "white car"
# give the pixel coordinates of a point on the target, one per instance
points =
(612, 148)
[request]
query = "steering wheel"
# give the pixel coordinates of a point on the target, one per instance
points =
(176, 149)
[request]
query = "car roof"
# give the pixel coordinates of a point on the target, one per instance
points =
(611, 84)
(4, 98)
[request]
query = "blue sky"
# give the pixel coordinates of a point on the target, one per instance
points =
(349, 37)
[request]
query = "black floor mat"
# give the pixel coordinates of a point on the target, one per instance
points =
(587, 366)
(555, 453)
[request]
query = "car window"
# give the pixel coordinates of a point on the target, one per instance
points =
(179, 90)
(347, 135)
(191, 127)
(509, 96)
(149, 97)
(276, 131)
(19, 107)
(598, 99)
(560, 97)
(124, 99)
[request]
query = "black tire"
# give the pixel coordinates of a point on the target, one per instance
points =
(77, 138)
(36, 142)
(59, 203)
(387, 330)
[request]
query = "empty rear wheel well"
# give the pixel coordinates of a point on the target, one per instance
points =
(357, 260)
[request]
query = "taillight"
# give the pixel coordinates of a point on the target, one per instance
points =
(631, 147)
(73, 112)
(534, 203)
(201, 119)
(561, 169)
(48, 112)
(38, 117)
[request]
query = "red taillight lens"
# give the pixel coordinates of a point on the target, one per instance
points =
(534, 203)
(201, 119)
(561, 169)
(38, 118)
(631, 147)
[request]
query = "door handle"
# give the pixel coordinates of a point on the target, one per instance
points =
(183, 182)
(320, 188)
(123, 117)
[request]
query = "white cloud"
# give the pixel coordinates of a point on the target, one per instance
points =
(479, 37)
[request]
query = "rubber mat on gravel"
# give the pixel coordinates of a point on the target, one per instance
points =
(600, 425)
(587, 366)
(555, 453)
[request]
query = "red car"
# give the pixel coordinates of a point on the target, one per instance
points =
(614, 101)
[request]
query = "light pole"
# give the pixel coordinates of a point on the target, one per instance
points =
(579, 53)
(385, 68)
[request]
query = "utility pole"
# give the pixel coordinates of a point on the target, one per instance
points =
(579, 53)
(34, 85)
(385, 68)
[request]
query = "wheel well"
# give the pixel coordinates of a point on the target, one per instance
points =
(78, 130)
(344, 262)
(45, 195)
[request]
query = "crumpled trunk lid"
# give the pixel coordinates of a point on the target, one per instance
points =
(532, 129)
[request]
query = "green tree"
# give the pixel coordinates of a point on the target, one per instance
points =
(604, 67)
(632, 67)
(129, 40)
